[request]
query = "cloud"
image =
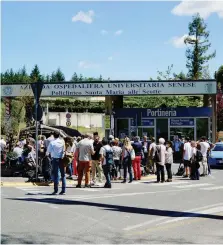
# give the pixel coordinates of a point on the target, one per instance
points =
(104, 32)
(110, 58)
(118, 33)
(87, 65)
(178, 42)
(86, 17)
(204, 8)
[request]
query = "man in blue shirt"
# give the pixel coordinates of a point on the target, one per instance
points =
(177, 149)
(56, 150)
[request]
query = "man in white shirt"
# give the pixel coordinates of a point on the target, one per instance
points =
(161, 149)
(56, 150)
(204, 150)
(18, 149)
(48, 140)
(104, 159)
(187, 154)
(83, 154)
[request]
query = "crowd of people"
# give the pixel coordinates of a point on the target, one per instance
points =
(113, 159)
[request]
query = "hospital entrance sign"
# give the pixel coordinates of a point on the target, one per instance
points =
(114, 88)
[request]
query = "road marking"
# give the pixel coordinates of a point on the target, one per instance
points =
(193, 185)
(212, 188)
(189, 216)
(53, 206)
(163, 218)
(84, 189)
(27, 188)
(152, 183)
(101, 195)
(128, 194)
(37, 191)
(143, 224)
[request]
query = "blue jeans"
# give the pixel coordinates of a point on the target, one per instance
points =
(52, 175)
(107, 173)
(70, 169)
(56, 162)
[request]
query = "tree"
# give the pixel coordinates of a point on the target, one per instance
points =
(35, 74)
(167, 75)
(219, 76)
(80, 78)
(17, 116)
(74, 77)
(180, 76)
(199, 43)
(100, 78)
(196, 53)
(57, 76)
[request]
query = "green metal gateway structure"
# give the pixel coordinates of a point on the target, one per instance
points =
(134, 121)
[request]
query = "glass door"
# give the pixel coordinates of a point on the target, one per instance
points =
(145, 131)
(182, 132)
(162, 128)
(122, 127)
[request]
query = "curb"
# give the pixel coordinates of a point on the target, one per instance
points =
(15, 184)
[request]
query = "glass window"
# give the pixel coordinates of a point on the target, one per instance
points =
(182, 133)
(202, 127)
(122, 128)
(162, 128)
(149, 132)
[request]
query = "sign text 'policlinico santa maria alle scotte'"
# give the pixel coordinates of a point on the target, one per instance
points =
(114, 88)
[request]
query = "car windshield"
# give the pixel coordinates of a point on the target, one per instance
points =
(218, 148)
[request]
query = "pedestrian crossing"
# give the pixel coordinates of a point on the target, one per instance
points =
(33, 190)
(182, 185)
(177, 185)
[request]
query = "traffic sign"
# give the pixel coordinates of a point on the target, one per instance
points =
(68, 124)
(68, 115)
(39, 112)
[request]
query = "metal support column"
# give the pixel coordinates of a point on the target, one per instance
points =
(214, 118)
(36, 112)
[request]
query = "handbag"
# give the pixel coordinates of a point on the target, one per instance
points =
(157, 156)
(132, 154)
(65, 161)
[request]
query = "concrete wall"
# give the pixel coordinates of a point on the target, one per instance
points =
(94, 120)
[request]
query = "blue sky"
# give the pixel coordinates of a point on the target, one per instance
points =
(119, 40)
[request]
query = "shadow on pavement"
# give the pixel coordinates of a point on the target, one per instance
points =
(124, 209)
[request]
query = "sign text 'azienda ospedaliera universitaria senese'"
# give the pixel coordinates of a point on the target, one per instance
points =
(114, 88)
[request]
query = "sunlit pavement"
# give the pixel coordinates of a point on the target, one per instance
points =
(183, 211)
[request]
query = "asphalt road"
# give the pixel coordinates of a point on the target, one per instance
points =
(183, 211)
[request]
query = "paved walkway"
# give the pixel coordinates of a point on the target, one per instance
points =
(19, 181)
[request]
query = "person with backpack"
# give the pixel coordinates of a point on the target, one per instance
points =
(117, 152)
(106, 159)
(128, 154)
(195, 161)
(159, 159)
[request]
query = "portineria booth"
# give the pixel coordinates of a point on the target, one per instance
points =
(190, 122)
